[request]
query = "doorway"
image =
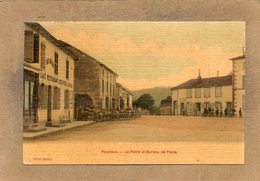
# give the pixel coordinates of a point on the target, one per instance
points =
(49, 104)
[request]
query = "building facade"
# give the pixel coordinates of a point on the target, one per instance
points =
(124, 98)
(238, 64)
(95, 83)
(48, 79)
(194, 96)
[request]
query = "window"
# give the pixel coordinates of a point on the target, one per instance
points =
(110, 89)
(28, 46)
(107, 87)
(207, 92)
(36, 48)
(197, 92)
(67, 69)
(56, 62)
(189, 93)
(43, 55)
(113, 90)
(198, 106)
(218, 91)
(56, 98)
(42, 96)
(103, 86)
(66, 99)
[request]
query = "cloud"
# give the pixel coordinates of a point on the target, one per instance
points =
(145, 64)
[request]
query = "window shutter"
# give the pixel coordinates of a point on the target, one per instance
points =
(43, 55)
(36, 48)
(28, 46)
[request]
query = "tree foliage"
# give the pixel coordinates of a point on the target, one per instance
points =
(145, 101)
(167, 101)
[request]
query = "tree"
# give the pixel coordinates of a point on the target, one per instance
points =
(145, 101)
(167, 101)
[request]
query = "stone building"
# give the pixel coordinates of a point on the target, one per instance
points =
(238, 64)
(95, 83)
(48, 79)
(194, 95)
(124, 98)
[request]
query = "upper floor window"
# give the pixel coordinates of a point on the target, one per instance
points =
(189, 93)
(28, 46)
(43, 47)
(107, 87)
(36, 48)
(56, 62)
(103, 86)
(207, 92)
(218, 91)
(67, 69)
(197, 92)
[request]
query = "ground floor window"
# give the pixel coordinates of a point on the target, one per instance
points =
(66, 99)
(56, 98)
(198, 106)
(30, 96)
(43, 96)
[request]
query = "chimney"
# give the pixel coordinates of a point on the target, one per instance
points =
(199, 76)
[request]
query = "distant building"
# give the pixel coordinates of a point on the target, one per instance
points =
(193, 96)
(48, 79)
(239, 83)
(95, 83)
(166, 106)
(124, 98)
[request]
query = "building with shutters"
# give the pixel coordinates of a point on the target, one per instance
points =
(95, 83)
(48, 79)
(124, 98)
(238, 64)
(195, 95)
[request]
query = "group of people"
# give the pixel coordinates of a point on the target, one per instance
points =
(210, 112)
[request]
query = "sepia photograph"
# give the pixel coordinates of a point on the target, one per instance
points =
(134, 92)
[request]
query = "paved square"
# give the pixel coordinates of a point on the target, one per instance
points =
(163, 139)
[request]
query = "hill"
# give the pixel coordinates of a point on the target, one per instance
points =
(158, 93)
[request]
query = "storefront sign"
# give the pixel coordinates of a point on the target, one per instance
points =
(56, 80)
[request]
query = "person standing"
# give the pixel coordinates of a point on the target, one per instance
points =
(240, 112)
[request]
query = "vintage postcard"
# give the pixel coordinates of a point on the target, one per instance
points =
(134, 92)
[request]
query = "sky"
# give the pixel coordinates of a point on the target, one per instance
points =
(156, 54)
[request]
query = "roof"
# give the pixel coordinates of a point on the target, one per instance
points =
(41, 30)
(123, 87)
(205, 82)
(75, 51)
(238, 58)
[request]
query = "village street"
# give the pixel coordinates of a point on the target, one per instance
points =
(185, 139)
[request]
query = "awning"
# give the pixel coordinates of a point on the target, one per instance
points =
(28, 66)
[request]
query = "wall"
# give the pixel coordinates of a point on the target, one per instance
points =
(239, 91)
(87, 79)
